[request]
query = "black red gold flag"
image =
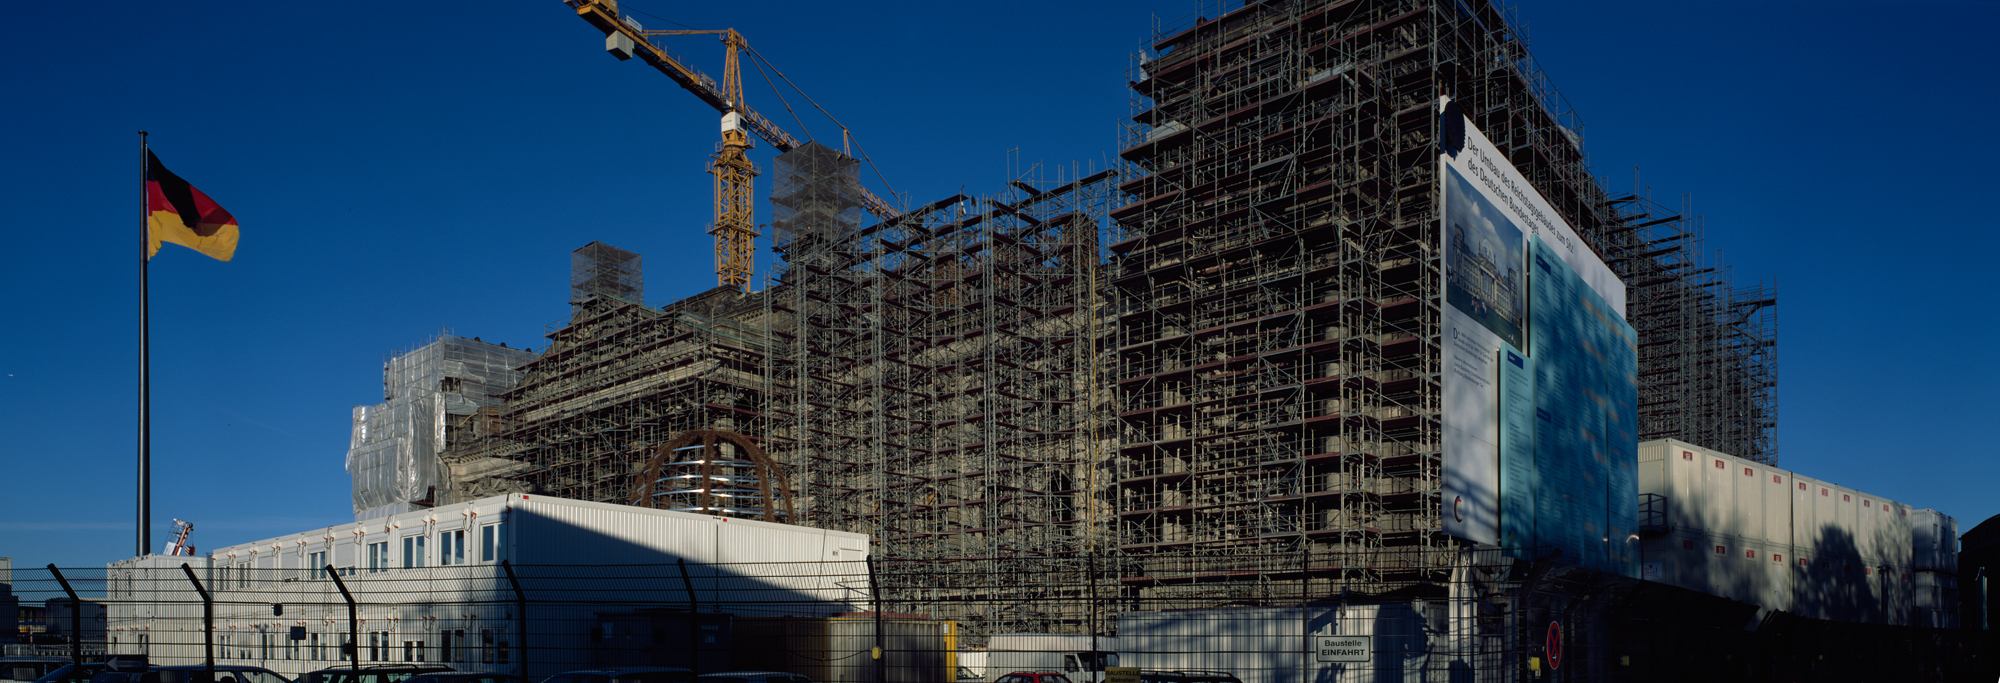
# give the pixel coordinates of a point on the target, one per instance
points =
(181, 214)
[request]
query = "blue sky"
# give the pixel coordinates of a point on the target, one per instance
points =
(400, 168)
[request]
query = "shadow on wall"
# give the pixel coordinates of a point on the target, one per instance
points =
(1834, 582)
(581, 573)
(596, 568)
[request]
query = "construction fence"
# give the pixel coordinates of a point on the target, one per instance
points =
(1488, 619)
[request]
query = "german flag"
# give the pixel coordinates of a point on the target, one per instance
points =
(181, 214)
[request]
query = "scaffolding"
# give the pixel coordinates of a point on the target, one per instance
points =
(1209, 375)
(1278, 291)
(617, 379)
(1707, 351)
(394, 450)
(599, 268)
(945, 391)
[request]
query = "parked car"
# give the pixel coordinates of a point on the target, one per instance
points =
(1033, 677)
(751, 677)
(191, 673)
(71, 673)
(1191, 676)
(462, 677)
(1081, 657)
(28, 669)
(629, 674)
(374, 673)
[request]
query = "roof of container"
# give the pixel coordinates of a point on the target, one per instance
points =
(471, 509)
(1752, 463)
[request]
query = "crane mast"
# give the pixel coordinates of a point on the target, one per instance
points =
(735, 226)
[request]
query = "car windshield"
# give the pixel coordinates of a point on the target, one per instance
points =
(578, 678)
(655, 677)
(365, 676)
(222, 675)
(70, 672)
(26, 671)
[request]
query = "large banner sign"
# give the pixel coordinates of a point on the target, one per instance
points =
(1534, 456)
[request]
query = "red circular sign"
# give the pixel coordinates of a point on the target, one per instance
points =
(1555, 645)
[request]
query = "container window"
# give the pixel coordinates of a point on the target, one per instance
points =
(451, 547)
(413, 552)
(492, 543)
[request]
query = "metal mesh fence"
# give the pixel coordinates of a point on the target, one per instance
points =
(1490, 620)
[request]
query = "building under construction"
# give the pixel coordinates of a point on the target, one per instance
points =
(945, 384)
(1280, 294)
(1210, 375)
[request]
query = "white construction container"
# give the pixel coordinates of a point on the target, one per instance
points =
(1278, 644)
(1777, 486)
(1935, 595)
(1936, 542)
(431, 584)
(1805, 511)
(1748, 491)
(1739, 530)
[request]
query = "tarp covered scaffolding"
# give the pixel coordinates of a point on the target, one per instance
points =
(393, 451)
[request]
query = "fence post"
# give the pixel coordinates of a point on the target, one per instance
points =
(520, 612)
(353, 623)
(694, 623)
(75, 618)
(1090, 578)
(881, 655)
(207, 620)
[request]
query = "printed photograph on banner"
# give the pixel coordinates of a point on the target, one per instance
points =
(1482, 260)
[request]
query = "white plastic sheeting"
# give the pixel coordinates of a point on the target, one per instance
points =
(392, 453)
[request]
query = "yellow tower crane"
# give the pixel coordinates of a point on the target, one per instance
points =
(735, 227)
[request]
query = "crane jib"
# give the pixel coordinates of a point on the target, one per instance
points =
(603, 14)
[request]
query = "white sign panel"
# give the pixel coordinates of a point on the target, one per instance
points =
(1343, 648)
(1490, 211)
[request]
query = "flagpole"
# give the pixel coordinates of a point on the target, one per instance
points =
(145, 538)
